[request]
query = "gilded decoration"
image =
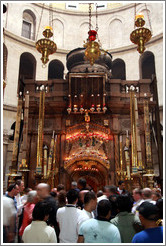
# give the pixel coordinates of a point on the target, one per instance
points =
(87, 144)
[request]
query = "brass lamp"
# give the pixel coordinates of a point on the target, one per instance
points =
(140, 35)
(92, 51)
(46, 46)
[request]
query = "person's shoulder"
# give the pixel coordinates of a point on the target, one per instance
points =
(27, 228)
(114, 221)
(61, 210)
(49, 229)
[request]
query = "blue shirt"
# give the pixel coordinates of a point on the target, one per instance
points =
(151, 235)
(98, 231)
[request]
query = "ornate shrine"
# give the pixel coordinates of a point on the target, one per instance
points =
(101, 126)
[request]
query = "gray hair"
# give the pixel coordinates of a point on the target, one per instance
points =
(74, 183)
(31, 195)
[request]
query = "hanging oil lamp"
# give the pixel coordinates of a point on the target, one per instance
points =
(92, 51)
(46, 46)
(140, 35)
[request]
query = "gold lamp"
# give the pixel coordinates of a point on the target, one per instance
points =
(92, 51)
(140, 35)
(46, 46)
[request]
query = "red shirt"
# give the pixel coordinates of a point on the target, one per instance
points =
(27, 217)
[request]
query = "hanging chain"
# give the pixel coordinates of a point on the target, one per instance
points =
(148, 17)
(90, 16)
(40, 21)
(50, 15)
(96, 20)
(134, 14)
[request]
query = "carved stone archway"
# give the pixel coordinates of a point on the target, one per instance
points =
(87, 154)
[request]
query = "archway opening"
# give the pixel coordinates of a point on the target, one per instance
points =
(55, 70)
(27, 69)
(147, 65)
(118, 69)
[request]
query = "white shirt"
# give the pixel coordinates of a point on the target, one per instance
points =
(135, 205)
(20, 205)
(103, 197)
(84, 216)
(120, 191)
(68, 218)
(39, 232)
(9, 211)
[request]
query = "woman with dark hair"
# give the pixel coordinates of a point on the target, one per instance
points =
(38, 231)
(127, 223)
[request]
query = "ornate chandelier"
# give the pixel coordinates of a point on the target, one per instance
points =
(92, 51)
(46, 46)
(140, 35)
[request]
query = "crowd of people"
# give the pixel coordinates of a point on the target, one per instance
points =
(79, 215)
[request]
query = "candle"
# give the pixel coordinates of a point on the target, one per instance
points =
(139, 15)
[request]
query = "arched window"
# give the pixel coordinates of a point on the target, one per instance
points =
(5, 54)
(55, 70)
(27, 69)
(118, 69)
(28, 24)
(147, 65)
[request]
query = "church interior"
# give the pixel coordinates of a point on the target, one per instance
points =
(83, 93)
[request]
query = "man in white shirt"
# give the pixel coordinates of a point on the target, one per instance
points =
(147, 195)
(9, 220)
(20, 204)
(137, 196)
(38, 231)
(68, 219)
(90, 203)
(121, 187)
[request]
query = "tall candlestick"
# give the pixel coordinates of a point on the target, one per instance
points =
(50, 154)
(40, 133)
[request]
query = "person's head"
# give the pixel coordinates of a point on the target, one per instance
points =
(99, 193)
(60, 187)
(32, 196)
(159, 204)
(72, 196)
(81, 195)
(41, 211)
(73, 185)
(20, 184)
(137, 194)
(148, 213)
(124, 203)
(53, 194)
(62, 198)
(121, 185)
(54, 190)
(81, 183)
(13, 190)
(90, 200)
(146, 193)
(104, 209)
(43, 190)
(26, 190)
(155, 196)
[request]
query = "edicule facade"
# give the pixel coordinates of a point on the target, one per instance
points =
(101, 122)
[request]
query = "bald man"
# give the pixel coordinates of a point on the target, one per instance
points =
(43, 192)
